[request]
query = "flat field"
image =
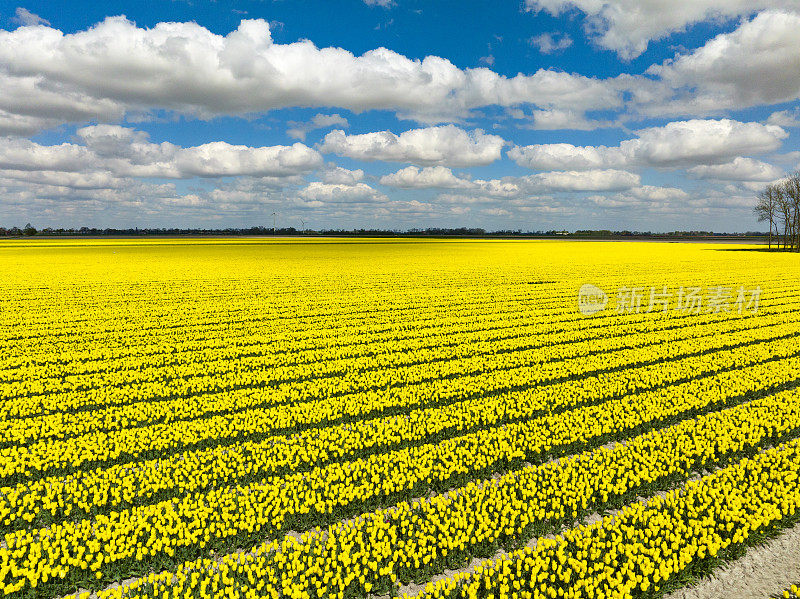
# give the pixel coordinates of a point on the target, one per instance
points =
(313, 419)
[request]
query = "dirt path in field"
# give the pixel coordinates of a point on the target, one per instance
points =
(764, 571)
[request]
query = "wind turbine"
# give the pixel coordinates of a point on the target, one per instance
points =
(273, 223)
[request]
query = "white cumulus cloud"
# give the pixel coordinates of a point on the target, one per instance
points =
(739, 169)
(758, 63)
(342, 176)
(592, 180)
(318, 121)
(785, 118)
(446, 145)
(115, 66)
(222, 159)
(676, 144)
(326, 193)
(26, 155)
(428, 177)
(22, 16)
(549, 43)
(701, 142)
(124, 152)
(654, 193)
(627, 26)
(565, 156)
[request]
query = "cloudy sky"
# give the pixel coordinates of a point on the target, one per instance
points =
(528, 114)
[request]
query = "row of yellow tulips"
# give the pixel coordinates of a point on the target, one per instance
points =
(63, 389)
(319, 380)
(414, 540)
(173, 529)
(493, 405)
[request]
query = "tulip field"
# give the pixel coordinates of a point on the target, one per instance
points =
(347, 418)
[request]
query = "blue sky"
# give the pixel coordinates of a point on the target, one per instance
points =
(525, 115)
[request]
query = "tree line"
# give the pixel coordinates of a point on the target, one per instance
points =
(779, 205)
(30, 231)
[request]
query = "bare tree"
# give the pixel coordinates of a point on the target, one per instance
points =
(785, 212)
(791, 191)
(767, 207)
